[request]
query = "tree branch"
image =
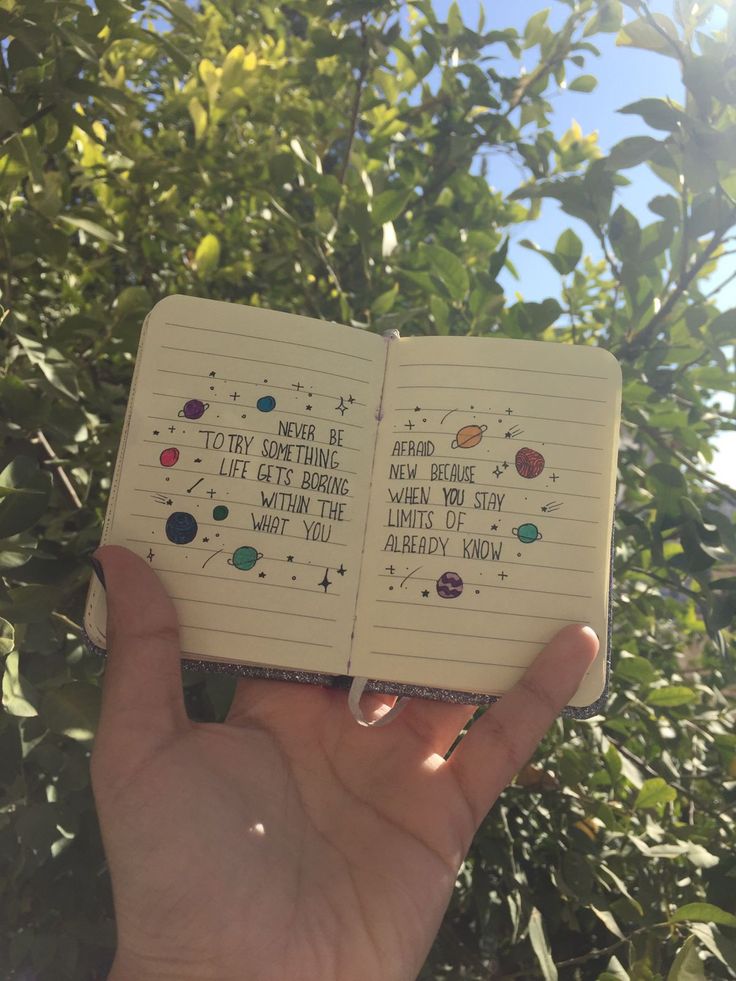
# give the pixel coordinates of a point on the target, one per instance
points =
(362, 72)
(34, 118)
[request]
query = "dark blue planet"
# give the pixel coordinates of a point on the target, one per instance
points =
(181, 528)
(266, 403)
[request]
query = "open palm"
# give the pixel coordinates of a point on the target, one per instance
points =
(289, 842)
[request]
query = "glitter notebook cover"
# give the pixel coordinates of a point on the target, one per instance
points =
(323, 503)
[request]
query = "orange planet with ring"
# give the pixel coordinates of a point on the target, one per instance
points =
(468, 437)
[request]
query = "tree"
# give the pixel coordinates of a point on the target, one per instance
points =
(322, 158)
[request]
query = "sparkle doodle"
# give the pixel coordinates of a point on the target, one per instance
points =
(468, 437)
(193, 409)
(529, 463)
(449, 585)
(181, 528)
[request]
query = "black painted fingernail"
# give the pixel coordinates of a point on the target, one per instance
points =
(98, 571)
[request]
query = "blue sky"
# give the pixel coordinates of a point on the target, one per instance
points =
(624, 76)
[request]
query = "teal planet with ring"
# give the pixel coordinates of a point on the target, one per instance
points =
(245, 557)
(527, 533)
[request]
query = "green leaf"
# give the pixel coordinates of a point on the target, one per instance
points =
(388, 205)
(687, 966)
(207, 256)
(91, 228)
(26, 491)
(671, 696)
(640, 33)
(633, 151)
(72, 710)
(536, 28)
(656, 113)
(448, 269)
(199, 117)
(7, 637)
(703, 913)
(19, 696)
(569, 249)
(583, 83)
(653, 793)
(541, 947)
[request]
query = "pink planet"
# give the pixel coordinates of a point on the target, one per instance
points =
(169, 457)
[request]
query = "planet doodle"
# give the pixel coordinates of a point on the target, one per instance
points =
(266, 403)
(529, 463)
(468, 437)
(244, 558)
(220, 512)
(527, 533)
(194, 409)
(181, 528)
(169, 457)
(449, 585)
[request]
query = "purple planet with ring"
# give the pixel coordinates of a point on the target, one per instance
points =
(194, 409)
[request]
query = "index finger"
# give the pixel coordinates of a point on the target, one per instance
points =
(500, 742)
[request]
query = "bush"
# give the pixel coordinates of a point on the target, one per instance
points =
(322, 158)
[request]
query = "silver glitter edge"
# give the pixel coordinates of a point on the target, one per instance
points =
(343, 682)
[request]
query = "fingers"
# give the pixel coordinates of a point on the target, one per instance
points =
(437, 724)
(501, 741)
(143, 673)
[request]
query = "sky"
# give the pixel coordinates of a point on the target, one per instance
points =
(624, 76)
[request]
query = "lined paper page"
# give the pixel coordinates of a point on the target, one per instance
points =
(243, 479)
(491, 510)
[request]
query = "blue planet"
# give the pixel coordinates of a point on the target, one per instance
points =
(181, 528)
(266, 403)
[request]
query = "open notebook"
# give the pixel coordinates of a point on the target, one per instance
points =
(424, 512)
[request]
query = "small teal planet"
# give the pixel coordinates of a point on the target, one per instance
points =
(220, 512)
(181, 528)
(527, 533)
(266, 403)
(245, 557)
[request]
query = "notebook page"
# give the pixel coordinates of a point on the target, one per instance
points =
(242, 479)
(491, 511)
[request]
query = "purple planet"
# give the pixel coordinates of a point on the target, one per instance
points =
(449, 585)
(194, 409)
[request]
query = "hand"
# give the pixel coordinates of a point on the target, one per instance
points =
(289, 843)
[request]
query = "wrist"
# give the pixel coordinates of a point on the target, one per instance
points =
(127, 967)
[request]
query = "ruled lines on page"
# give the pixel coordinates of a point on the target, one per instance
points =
(244, 477)
(494, 471)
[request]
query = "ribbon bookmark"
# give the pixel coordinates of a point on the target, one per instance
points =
(356, 693)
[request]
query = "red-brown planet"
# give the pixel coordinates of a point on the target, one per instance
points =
(169, 457)
(529, 463)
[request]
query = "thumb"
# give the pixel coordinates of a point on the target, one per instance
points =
(142, 688)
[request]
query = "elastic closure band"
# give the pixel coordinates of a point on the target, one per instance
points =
(356, 693)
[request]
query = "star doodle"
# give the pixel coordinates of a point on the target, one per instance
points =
(554, 478)
(503, 575)
(425, 593)
(498, 471)
(289, 558)
(261, 575)
(212, 374)
(308, 408)
(151, 555)
(155, 432)
(350, 399)
(325, 584)
(417, 408)
(342, 570)
(494, 527)
(205, 539)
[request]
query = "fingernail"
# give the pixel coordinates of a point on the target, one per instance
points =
(98, 571)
